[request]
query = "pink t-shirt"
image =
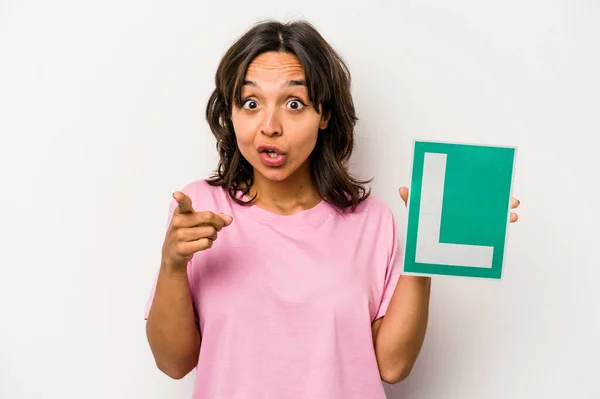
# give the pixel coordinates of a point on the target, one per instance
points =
(285, 303)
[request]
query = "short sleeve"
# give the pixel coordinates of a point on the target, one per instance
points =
(191, 192)
(393, 268)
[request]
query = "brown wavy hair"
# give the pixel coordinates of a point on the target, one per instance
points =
(328, 82)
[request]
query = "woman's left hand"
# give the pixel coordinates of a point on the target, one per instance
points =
(514, 203)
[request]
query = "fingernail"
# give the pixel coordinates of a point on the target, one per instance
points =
(224, 214)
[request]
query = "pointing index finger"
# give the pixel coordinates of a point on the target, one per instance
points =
(185, 203)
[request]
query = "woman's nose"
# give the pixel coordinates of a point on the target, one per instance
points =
(271, 125)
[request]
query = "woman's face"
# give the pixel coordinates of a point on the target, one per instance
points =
(276, 127)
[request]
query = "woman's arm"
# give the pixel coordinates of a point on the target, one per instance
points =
(399, 335)
(171, 329)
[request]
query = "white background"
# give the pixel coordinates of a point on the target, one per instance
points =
(102, 118)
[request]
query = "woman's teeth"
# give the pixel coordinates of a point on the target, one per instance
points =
(271, 154)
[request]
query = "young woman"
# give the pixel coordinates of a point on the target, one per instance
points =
(280, 275)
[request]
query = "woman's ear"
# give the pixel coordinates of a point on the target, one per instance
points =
(324, 120)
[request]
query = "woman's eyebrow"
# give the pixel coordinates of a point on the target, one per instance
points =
(249, 83)
(289, 83)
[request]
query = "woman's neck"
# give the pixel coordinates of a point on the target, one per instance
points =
(286, 197)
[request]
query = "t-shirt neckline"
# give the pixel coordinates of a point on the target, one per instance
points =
(318, 213)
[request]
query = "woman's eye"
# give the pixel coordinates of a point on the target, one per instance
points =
(250, 104)
(296, 105)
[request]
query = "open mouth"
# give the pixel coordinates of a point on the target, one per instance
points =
(271, 154)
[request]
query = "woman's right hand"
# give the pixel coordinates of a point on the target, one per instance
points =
(188, 233)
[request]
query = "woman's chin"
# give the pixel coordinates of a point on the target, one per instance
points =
(274, 174)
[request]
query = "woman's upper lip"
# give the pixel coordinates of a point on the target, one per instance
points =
(270, 147)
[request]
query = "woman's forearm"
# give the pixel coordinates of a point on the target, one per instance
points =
(171, 328)
(400, 334)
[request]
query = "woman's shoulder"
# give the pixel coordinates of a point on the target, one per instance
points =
(373, 216)
(374, 207)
